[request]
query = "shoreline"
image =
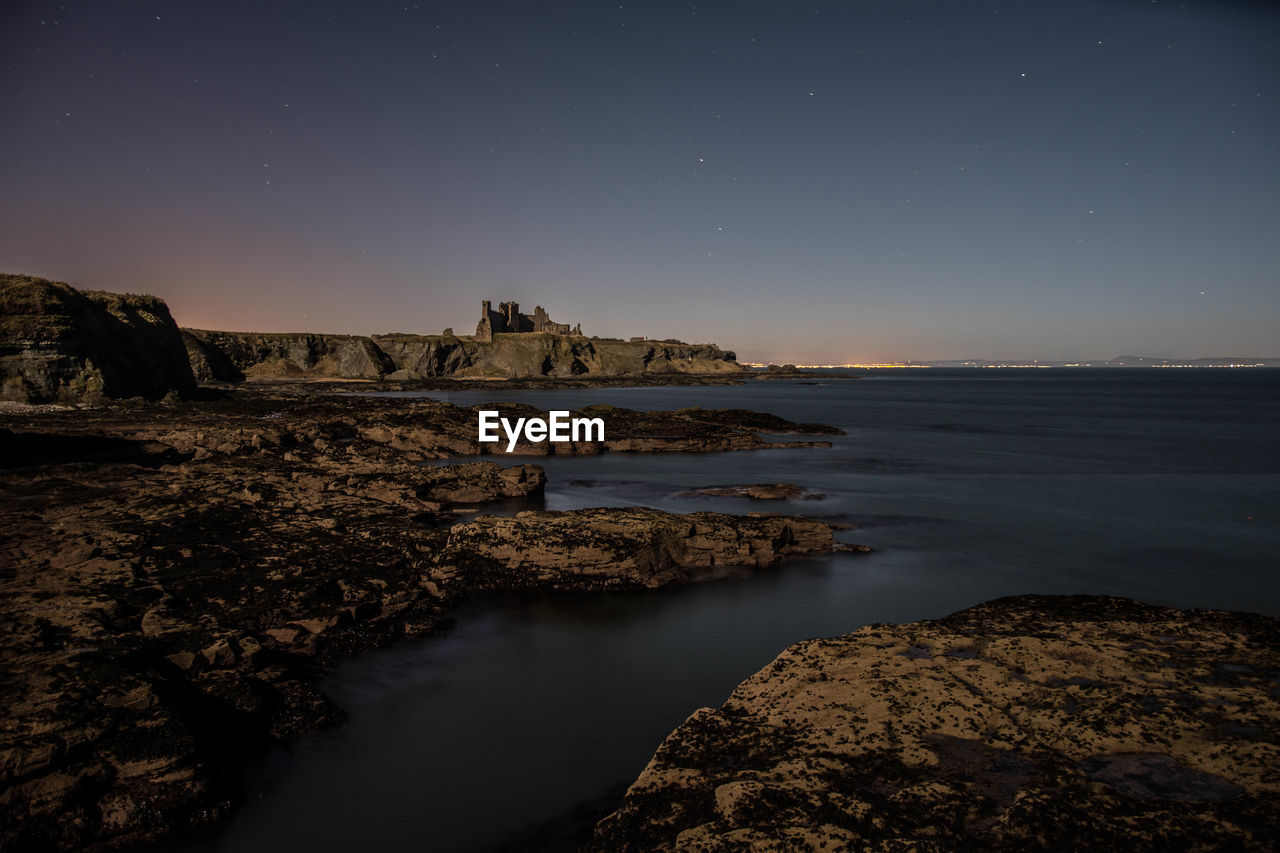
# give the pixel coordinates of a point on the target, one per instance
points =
(227, 429)
(192, 570)
(1015, 723)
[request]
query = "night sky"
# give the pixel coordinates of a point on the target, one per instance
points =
(814, 182)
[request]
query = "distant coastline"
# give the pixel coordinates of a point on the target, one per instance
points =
(1126, 361)
(61, 344)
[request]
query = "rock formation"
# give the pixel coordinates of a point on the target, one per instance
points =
(627, 548)
(440, 429)
(1030, 723)
(754, 491)
(58, 344)
(543, 349)
(166, 616)
(179, 577)
(232, 356)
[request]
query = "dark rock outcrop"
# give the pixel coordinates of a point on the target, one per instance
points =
(59, 344)
(232, 356)
(422, 356)
(209, 363)
(1030, 723)
(754, 491)
(624, 548)
(757, 421)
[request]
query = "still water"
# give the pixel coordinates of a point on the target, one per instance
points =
(1162, 485)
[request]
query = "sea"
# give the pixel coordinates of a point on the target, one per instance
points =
(520, 727)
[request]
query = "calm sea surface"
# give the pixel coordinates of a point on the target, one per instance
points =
(1162, 485)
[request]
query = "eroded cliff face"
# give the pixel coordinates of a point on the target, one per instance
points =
(233, 356)
(528, 355)
(59, 344)
(428, 355)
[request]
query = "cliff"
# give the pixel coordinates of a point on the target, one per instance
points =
(233, 356)
(59, 344)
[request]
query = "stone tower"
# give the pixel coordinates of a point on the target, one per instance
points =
(509, 319)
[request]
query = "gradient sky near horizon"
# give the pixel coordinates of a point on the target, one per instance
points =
(818, 182)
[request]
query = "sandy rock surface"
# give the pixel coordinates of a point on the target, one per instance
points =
(1028, 723)
(626, 547)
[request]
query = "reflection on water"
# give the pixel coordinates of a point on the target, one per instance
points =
(1161, 485)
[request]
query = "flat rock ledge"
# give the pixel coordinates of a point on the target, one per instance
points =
(625, 548)
(754, 492)
(1027, 723)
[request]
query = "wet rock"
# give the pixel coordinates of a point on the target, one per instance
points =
(754, 491)
(176, 579)
(176, 617)
(620, 548)
(1028, 723)
(757, 421)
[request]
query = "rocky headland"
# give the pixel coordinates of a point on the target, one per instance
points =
(805, 377)
(60, 344)
(235, 356)
(1027, 723)
(176, 577)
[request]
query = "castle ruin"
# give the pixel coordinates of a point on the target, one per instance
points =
(509, 319)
